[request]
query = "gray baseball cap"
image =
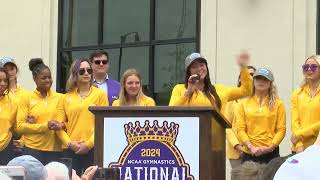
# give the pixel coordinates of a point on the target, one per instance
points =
(265, 72)
(5, 60)
(192, 57)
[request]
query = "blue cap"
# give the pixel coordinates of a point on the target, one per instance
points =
(265, 72)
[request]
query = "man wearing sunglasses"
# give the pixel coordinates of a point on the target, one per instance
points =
(100, 66)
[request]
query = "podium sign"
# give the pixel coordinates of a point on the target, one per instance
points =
(161, 143)
(152, 147)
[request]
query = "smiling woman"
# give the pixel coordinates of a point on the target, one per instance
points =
(78, 137)
(305, 104)
(261, 120)
(131, 91)
(35, 118)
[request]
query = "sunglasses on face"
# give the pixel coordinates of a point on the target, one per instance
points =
(98, 62)
(312, 67)
(82, 71)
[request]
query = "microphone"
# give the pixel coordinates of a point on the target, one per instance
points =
(194, 79)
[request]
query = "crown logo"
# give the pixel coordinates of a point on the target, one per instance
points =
(136, 133)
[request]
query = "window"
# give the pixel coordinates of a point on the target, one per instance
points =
(152, 36)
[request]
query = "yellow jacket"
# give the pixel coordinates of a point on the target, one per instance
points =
(73, 110)
(226, 94)
(37, 135)
(305, 116)
(260, 125)
(16, 96)
(18, 93)
(231, 133)
(145, 101)
(8, 113)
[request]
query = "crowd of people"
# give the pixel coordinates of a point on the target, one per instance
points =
(47, 125)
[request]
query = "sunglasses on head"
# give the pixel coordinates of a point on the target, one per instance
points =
(312, 67)
(98, 62)
(82, 71)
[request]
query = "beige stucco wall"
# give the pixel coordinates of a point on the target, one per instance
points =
(29, 29)
(277, 34)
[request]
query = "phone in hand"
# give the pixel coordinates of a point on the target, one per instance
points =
(14, 172)
(68, 163)
(107, 174)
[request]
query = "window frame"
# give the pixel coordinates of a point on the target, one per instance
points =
(151, 43)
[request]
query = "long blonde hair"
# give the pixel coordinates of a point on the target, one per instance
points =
(74, 73)
(317, 59)
(272, 94)
(123, 94)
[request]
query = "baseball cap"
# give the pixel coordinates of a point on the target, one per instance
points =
(34, 168)
(192, 57)
(265, 72)
(5, 60)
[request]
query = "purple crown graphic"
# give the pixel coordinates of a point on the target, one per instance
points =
(138, 133)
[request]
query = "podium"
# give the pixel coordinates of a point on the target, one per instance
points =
(161, 142)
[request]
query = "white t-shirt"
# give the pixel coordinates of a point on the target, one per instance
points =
(302, 166)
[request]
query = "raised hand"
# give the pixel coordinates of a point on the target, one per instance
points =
(243, 59)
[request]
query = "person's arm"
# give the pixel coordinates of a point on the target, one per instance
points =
(23, 127)
(230, 116)
(178, 96)
(61, 117)
(102, 101)
(281, 125)
(241, 125)
(295, 119)
(232, 138)
(245, 89)
(309, 131)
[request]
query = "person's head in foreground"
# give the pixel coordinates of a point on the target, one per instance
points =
(34, 168)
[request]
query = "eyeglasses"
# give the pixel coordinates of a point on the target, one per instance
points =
(312, 67)
(98, 62)
(84, 70)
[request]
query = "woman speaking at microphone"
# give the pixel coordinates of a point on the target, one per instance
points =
(198, 90)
